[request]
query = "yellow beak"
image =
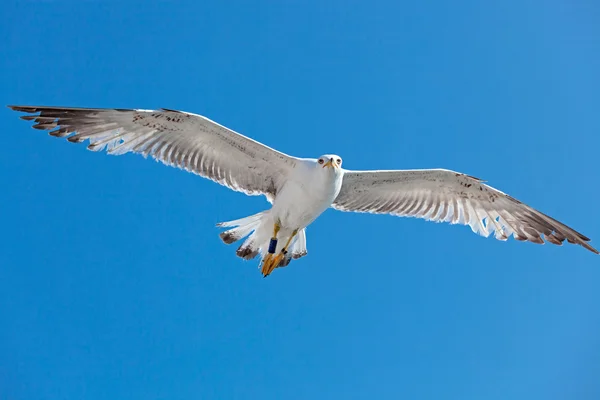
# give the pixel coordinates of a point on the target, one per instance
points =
(329, 164)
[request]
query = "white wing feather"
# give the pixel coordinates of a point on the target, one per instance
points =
(447, 196)
(188, 141)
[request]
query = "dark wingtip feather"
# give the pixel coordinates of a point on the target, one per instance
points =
(590, 248)
(27, 109)
(536, 240)
(61, 132)
(583, 237)
(75, 139)
(553, 239)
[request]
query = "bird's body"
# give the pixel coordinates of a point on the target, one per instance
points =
(309, 191)
(299, 189)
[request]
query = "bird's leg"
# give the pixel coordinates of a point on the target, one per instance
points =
(267, 261)
(284, 250)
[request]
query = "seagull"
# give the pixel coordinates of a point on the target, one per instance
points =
(299, 189)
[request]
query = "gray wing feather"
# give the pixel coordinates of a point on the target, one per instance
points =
(446, 196)
(184, 140)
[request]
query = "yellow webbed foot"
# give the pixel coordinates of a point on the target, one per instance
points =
(266, 265)
(277, 260)
(271, 262)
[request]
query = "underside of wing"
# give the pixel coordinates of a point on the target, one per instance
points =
(184, 140)
(447, 196)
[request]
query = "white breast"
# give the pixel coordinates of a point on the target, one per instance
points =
(309, 191)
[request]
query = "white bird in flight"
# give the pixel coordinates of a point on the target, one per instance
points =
(299, 189)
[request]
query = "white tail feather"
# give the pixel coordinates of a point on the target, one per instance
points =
(242, 221)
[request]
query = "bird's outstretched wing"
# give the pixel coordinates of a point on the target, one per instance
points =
(188, 141)
(446, 196)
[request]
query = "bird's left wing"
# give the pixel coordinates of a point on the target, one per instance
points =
(446, 196)
(188, 141)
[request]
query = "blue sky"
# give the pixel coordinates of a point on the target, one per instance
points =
(114, 283)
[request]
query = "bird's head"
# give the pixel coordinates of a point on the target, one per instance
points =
(330, 161)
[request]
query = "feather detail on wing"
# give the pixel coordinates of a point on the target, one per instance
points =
(447, 196)
(188, 141)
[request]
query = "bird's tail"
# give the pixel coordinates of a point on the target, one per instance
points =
(240, 229)
(259, 228)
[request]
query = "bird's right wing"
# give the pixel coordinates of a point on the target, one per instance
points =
(446, 196)
(188, 141)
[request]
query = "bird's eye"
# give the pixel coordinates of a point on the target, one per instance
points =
(339, 160)
(320, 161)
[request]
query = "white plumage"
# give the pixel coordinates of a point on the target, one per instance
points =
(300, 189)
